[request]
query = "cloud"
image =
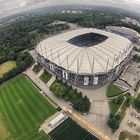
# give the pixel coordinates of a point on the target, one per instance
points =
(8, 6)
(22, 4)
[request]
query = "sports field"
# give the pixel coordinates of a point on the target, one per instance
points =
(7, 66)
(22, 110)
(70, 130)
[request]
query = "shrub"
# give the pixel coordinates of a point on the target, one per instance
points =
(113, 123)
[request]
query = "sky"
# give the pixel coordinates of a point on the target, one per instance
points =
(15, 6)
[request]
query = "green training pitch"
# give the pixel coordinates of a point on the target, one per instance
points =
(70, 130)
(23, 109)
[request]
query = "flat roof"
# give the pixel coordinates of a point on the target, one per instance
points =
(57, 119)
(99, 58)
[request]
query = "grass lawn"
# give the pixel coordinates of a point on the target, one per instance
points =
(122, 136)
(7, 66)
(127, 135)
(123, 110)
(23, 109)
(45, 77)
(114, 106)
(113, 91)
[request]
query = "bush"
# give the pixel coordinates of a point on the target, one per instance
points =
(113, 123)
(136, 58)
(37, 68)
(58, 89)
(136, 103)
(59, 109)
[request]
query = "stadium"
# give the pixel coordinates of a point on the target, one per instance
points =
(85, 57)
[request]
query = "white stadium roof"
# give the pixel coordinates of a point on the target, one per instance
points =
(99, 58)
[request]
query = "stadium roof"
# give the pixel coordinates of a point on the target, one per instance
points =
(99, 58)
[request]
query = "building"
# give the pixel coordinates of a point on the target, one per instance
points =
(130, 21)
(87, 58)
(126, 32)
(57, 120)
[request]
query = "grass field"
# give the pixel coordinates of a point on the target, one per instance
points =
(5, 67)
(122, 136)
(114, 106)
(113, 91)
(22, 110)
(45, 77)
(70, 130)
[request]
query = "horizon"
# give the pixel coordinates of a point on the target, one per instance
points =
(8, 8)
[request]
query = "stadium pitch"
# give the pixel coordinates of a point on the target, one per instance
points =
(70, 130)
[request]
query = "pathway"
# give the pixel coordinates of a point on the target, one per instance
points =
(40, 73)
(51, 81)
(120, 106)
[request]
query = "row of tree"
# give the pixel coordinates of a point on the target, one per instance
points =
(79, 102)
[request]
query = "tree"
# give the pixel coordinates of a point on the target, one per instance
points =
(113, 123)
(120, 99)
(136, 103)
(129, 101)
(58, 89)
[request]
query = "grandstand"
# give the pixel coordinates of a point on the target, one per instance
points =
(86, 57)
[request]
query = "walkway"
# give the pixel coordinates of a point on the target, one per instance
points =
(99, 110)
(40, 73)
(51, 81)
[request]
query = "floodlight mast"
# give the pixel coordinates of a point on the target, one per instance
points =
(107, 64)
(92, 67)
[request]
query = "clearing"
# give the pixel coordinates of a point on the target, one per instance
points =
(7, 66)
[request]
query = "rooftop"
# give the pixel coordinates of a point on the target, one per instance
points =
(98, 58)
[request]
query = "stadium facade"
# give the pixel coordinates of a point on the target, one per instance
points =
(86, 57)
